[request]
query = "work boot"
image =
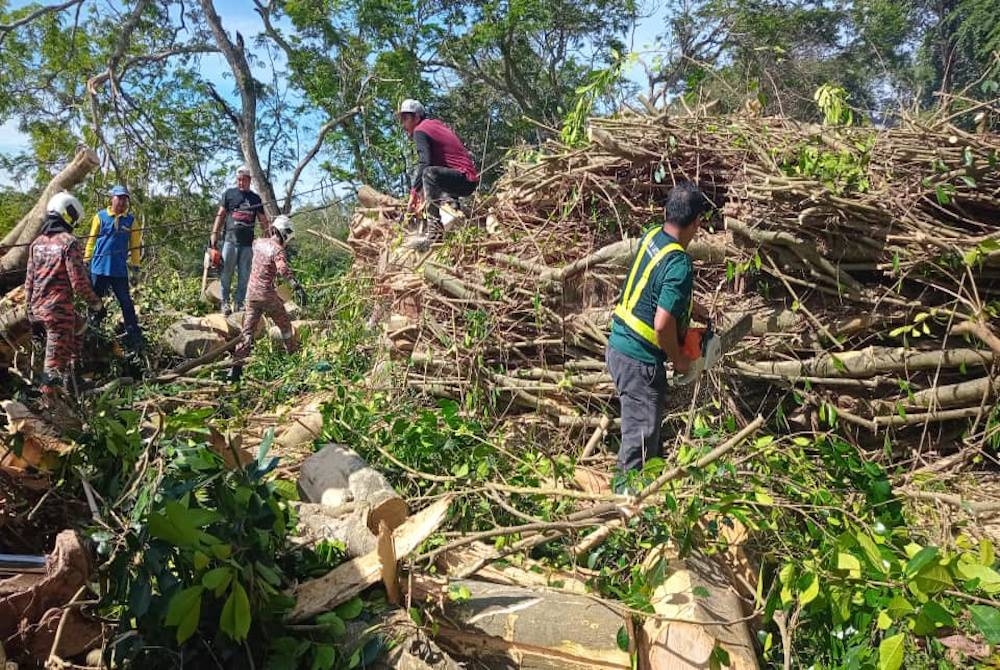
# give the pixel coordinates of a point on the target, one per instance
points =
(235, 374)
(451, 214)
(134, 341)
(434, 235)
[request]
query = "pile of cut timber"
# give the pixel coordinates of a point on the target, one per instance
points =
(870, 260)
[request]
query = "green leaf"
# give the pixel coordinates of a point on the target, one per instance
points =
(850, 564)
(184, 611)
(810, 592)
(922, 558)
(942, 195)
(353, 607)
(986, 554)
(899, 607)
(701, 592)
(222, 551)
(217, 580)
(987, 620)
(989, 579)
(335, 623)
(235, 618)
(933, 578)
(884, 620)
(622, 639)
(890, 653)
(139, 597)
(871, 551)
(324, 656)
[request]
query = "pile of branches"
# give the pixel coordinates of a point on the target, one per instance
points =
(870, 260)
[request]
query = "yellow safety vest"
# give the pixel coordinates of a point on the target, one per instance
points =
(625, 309)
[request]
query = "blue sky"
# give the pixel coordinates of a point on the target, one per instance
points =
(237, 15)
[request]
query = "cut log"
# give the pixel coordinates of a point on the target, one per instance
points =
(26, 624)
(369, 197)
(694, 624)
(962, 394)
(15, 260)
(40, 442)
(194, 336)
(336, 475)
(354, 576)
(274, 333)
(871, 361)
(347, 523)
(15, 330)
(529, 573)
(621, 253)
(501, 625)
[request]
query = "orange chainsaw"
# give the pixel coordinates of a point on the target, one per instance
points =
(706, 347)
(211, 261)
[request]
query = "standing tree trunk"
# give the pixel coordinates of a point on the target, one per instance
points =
(15, 244)
(245, 119)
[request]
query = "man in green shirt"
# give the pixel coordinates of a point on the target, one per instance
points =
(650, 321)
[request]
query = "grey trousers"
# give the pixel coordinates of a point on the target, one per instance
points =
(642, 389)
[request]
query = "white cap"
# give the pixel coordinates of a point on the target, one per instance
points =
(411, 106)
(243, 170)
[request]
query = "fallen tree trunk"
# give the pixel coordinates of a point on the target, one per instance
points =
(15, 259)
(370, 197)
(500, 625)
(871, 361)
(303, 426)
(336, 475)
(693, 623)
(962, 394)
(529, 573)
(354, 576)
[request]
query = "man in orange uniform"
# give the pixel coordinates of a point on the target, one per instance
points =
(269, 261)
(55, 273)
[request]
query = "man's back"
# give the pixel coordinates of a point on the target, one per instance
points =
(446, 149)
(268, 262)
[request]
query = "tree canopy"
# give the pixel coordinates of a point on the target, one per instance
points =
(173, 97)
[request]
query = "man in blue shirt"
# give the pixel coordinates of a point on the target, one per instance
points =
(650, 321)
(113, 251)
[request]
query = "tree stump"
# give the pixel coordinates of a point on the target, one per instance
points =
(336, 475)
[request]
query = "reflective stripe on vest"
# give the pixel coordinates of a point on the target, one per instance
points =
(625, 309)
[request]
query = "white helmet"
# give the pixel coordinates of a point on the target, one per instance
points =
(67, 207)
(283, 226)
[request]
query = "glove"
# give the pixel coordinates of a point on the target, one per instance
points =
(133, 275)
(300, 294)
(416, 201)
(215, 257)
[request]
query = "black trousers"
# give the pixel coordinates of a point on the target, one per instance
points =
(441, 182)
(642, 389)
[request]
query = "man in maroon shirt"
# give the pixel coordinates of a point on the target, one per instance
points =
(445, 170)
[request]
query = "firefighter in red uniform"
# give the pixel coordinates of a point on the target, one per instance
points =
(55, 273)
(269, 261)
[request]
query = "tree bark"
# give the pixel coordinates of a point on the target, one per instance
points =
(500, 625)
(246, 117)
(353, 577)
(194, 336)
(15, 259)
(369, 197)
(694, 624)
(871, 361)
(336, 475)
